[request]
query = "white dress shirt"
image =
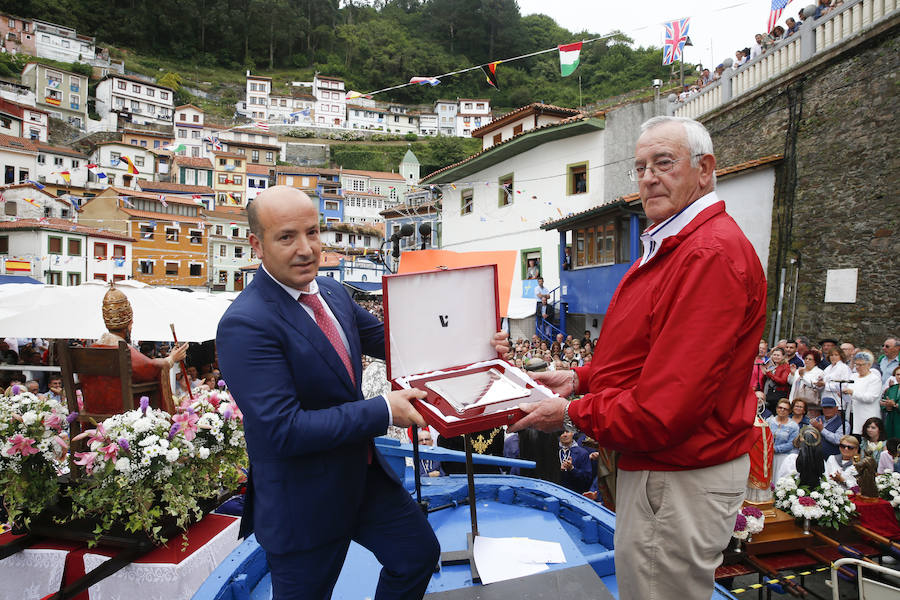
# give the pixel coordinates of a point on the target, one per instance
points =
(653, 237)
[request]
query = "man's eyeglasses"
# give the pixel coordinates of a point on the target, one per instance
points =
(848, 447)
(782, 407)
(663, 165)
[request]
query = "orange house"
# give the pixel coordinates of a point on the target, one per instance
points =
(169, 233)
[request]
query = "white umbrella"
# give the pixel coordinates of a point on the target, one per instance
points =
(50, 311)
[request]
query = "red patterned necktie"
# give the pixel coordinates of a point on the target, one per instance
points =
(326, 324)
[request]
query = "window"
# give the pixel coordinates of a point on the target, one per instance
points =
(517, 129)
(182, 133)
(171, 268)
(238, 252)
(23, 175)
(505, 192)
(99, 250)
(53, 277)
(143, 145)
(99, 276)
(9, 176)
(603, 243)
(577, 178)
(331, 205)
(338, 238)
(139, 160)
(497, 139)
(151, 92)
(73, 279)
(122, 85)
(10, 208)
(47, 211)
(145, 267)
(195, 269)
(41, 159)
(466, 199)
(223, 276)
(76, 163)
(183, 117)
(270, 157)
(4, 244)
(238, 179)
(172, 234)
(237, 163)
(57, 161)
(74, 101)
(223, 162)
(195, 134)
(136, 88)
(254, 155)
(114, 158)
(156, 143)
(223, 250)
(74, 84)
(118, 251)
(219, 231)
(196, 236)
(196, 118)
(235, 232)
(147, 231)
(222, 178)
(135, 106)
(74, 247)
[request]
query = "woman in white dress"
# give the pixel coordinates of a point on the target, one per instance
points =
(836, 371)
(864, 392)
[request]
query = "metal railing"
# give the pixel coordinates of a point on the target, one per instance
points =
(813, 37)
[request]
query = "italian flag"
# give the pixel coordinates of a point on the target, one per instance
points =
(568, 58)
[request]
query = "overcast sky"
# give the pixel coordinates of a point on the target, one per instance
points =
(717, 27)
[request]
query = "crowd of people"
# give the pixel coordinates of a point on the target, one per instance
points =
(847, 394)
(762, 43)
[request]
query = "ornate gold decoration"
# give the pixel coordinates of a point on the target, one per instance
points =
(480, 445)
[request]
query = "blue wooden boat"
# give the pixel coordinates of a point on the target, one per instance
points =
(507, 506)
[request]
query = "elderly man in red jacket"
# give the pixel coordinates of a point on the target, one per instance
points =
(683, 433)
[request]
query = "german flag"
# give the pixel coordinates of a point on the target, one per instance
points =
(490, 73)
(131, 168)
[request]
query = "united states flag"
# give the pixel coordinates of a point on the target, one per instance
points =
(676, 37)
(262, 125)
(777, 7)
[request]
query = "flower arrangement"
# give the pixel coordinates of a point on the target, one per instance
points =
(749, 521)
(33, 444)
(143, 470)
(145, 465)
(888, 485)
(827, 505)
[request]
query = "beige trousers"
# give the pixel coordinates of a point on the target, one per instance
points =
(671, 528)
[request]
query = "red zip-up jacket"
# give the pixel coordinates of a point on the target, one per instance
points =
(704, 292)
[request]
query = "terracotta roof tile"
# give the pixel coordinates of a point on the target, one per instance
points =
(146, 214)
(167, 186)
(194, 162)
(519, 112)
(58, 225)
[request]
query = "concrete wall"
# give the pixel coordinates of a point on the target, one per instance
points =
(622, 128)
(836, 204)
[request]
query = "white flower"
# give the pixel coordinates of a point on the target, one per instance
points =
(29, 418)
(123, 465)
(149, 440)
(141, 425)
(172, 455)
(203, 453)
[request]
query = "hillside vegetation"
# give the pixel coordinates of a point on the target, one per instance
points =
(210, 43)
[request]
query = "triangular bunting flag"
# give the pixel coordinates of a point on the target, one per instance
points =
(569, 58)
(490, 73)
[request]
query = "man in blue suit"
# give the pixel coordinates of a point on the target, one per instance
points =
(289, 348)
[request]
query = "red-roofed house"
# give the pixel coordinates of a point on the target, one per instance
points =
(21, 120)
(28, 201)
(55, 163)
(169, 234)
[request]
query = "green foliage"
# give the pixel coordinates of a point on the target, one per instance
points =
(410, 137)
(372, 45)
(433, 154)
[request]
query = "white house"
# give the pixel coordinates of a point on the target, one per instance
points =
(522, 119)
(446, 116)
(352, 237)
(62, 43)
(61, 252)
(55, 164)
(140, 101)
(257, 180)
(229, 249)
(365, 207)
(497, 199)
(18, 159)
(188, 128)
(428, 123)
(22, 120)
(331, 103)
(381, 183)
(28, 201)
(257, 95)
(108, 157)
(472, 114)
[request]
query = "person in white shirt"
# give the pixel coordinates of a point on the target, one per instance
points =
(842, 469)
(865, 391)
(836, 372)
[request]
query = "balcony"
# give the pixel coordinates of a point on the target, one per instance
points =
(813, 38)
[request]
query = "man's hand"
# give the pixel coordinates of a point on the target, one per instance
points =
(500, 341)
(434, 474)
(559, 382)
(566, 465)
(546, 415)
(402, 410)
(817, 424)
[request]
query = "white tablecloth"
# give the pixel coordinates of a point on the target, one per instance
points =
(163, 581)
(31, 574)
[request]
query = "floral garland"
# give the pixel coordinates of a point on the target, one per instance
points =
(33, 444)
(888, 485)
(142, 470)
(827, 505)
(749, 521)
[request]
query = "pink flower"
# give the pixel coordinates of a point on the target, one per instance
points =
(188, 424)
(740, 523)
(752, 511)
(21, 445)
(806, 501)
(214, 398)
(86, 460)
(54, 422)
(109, 451)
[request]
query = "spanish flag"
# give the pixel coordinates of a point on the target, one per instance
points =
(32, 202)
(66, 175)
(131, 168)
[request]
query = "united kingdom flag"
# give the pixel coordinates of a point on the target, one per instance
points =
(676, 37)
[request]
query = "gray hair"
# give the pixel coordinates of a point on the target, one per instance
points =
(864, 355)
(696, 135)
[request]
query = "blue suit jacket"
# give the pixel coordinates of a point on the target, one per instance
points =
(307, 426)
